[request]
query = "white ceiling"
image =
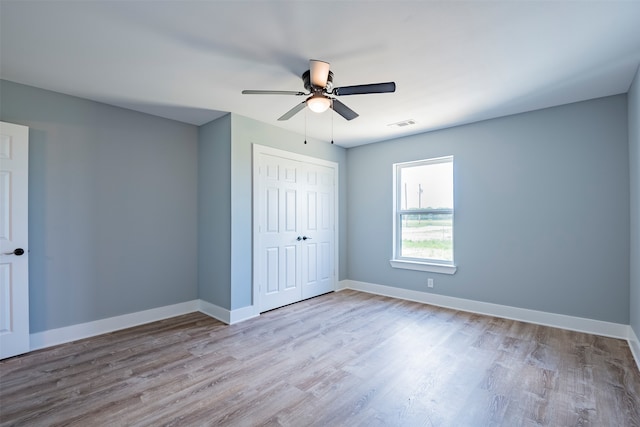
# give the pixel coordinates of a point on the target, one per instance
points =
(453, 62)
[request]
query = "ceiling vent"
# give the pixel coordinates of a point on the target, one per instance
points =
(403, 123)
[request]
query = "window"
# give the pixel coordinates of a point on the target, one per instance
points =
(423, 215)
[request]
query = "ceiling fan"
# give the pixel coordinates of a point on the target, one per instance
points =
(318, 81)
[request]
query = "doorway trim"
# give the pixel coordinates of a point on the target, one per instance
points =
(257, 150)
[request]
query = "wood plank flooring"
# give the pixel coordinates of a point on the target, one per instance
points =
(341, 359)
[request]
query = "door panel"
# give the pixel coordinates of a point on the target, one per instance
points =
(14, 268)
(272, 270)
(290, 267)
(271, 200)
(291, 210)
(324, 262)
(279, 274)
(310, 261)
(5, 298)
(311, 211)
(317, 267)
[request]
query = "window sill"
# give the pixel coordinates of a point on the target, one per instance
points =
(423, 266)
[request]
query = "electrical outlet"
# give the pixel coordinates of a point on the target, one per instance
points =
(430, 283)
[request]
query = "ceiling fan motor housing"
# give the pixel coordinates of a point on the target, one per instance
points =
(306, 79)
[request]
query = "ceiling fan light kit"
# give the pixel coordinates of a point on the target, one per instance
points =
(318, 81)
(318, 103)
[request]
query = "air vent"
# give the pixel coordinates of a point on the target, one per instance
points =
(403, 123)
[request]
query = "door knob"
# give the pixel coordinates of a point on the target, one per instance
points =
(306, 238)
(299, 238)
(17, 251)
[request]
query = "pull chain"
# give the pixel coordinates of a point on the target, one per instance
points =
(305, 125)
(332, 122)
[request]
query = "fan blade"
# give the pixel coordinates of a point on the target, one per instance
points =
(364, 89)
(295, 110)
(272, 92)
(343, 110)
(319, 71)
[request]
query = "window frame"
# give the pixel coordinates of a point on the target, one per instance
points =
(420, 264)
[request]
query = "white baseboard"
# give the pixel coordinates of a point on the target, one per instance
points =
(242, 314)
(80, 331)
(66, 334)
(634, 345)
(215, 311)
(579, 324)
(226, 316)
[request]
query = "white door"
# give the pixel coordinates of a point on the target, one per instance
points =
(14, 263)
(317, 230)
(279, 212)
(295, 233)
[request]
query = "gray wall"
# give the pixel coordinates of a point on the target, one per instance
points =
(112, 218)
(634, 164)
(542, 210)
(246, 132)
(214, 212)
(123, 205)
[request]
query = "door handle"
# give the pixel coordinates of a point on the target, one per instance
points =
(306, 238)
(17, 252)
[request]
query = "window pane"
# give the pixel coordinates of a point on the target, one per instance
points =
(427, 186)
(427, 236)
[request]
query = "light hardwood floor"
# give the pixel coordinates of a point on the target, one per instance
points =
(342, 359)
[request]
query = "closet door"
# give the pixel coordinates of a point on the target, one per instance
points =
(279, 246)
(294, 228)
(318, 230)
